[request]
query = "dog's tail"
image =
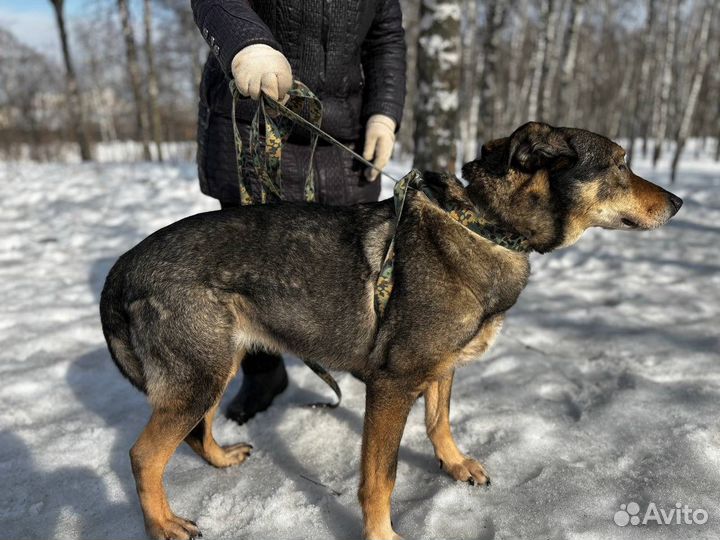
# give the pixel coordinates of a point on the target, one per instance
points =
(116, 328)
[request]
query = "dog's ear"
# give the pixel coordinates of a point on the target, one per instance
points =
(493, 159)
(494, 155)
(536, 146)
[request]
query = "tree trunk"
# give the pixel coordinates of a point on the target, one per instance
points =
(76, 109)
(667, 81)
(518, 85)
(494, 19)
(153, 111)
(411, 16)
(134, 75)
(540, 61)
(697, 81)
(567, 93)
(552, 64)
(471, 61)
(438, 81)
(640, 118)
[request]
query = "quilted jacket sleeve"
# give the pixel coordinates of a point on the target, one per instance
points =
(384, 62)
(228, 26)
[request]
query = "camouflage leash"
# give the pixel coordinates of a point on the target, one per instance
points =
(266, 163)
(279, 120)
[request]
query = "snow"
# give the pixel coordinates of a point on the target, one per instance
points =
(604, 387)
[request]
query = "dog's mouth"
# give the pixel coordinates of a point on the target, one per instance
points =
(629, 223)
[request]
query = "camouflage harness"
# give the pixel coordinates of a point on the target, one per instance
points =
(305, 109)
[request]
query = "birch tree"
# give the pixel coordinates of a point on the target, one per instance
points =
(666, 81)
(552, 58)
(153, 91)
(438, 81)
(471, 63)
(641, 111)
(411, 19)
(519, 82)
(540, 61)
(702, 47)
(496, 11)
(76, 108)
(567, 93)
(134, 76)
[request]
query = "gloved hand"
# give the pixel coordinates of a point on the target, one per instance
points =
(258, 68)
(379, 142)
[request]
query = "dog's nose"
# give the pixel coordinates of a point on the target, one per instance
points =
(676, 201)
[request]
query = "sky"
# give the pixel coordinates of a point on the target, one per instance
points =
(33, 21)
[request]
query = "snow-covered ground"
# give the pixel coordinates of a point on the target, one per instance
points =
(603, 389)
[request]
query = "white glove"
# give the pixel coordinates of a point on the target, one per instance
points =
(379, 142)
(259, 68)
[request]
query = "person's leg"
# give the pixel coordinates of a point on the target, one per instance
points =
(264, 377)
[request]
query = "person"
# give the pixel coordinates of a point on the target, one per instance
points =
(351, 54)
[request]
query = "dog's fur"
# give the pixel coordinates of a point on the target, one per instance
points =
(180, 309)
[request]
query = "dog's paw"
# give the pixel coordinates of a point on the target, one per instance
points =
(173, 527)
(467, 469)
(235, 454)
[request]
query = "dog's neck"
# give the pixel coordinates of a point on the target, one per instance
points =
(482, 222)
(448, 193)
(497, 198)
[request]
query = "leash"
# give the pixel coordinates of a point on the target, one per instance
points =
(324, 135)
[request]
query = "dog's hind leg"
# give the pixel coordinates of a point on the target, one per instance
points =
(437, 423)
(387, 405)
(201, 438)
(202, 441)
(167, 428)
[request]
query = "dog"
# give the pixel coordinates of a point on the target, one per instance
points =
(179, 309)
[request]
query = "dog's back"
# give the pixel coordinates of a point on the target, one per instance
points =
(198, 290)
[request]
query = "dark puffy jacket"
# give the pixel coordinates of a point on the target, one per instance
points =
(351, 53)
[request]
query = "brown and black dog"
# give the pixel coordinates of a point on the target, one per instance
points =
(180, 309)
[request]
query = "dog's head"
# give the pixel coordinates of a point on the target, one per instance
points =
(551, 184)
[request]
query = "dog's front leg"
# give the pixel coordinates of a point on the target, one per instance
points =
(387, 404)
(437, 423)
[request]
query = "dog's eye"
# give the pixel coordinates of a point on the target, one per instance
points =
(622, 167)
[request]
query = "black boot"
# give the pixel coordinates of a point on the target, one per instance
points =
(264, 377)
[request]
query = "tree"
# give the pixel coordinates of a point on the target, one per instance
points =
(470, 64)
(540, 60)
(76, 108)
(153, 91)
(134, 75)
(702, 63)
(567, 93)
(495, 13)
(552, 59)
(518, 84)
(666, 82)
(641, 110)
(438, 74)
